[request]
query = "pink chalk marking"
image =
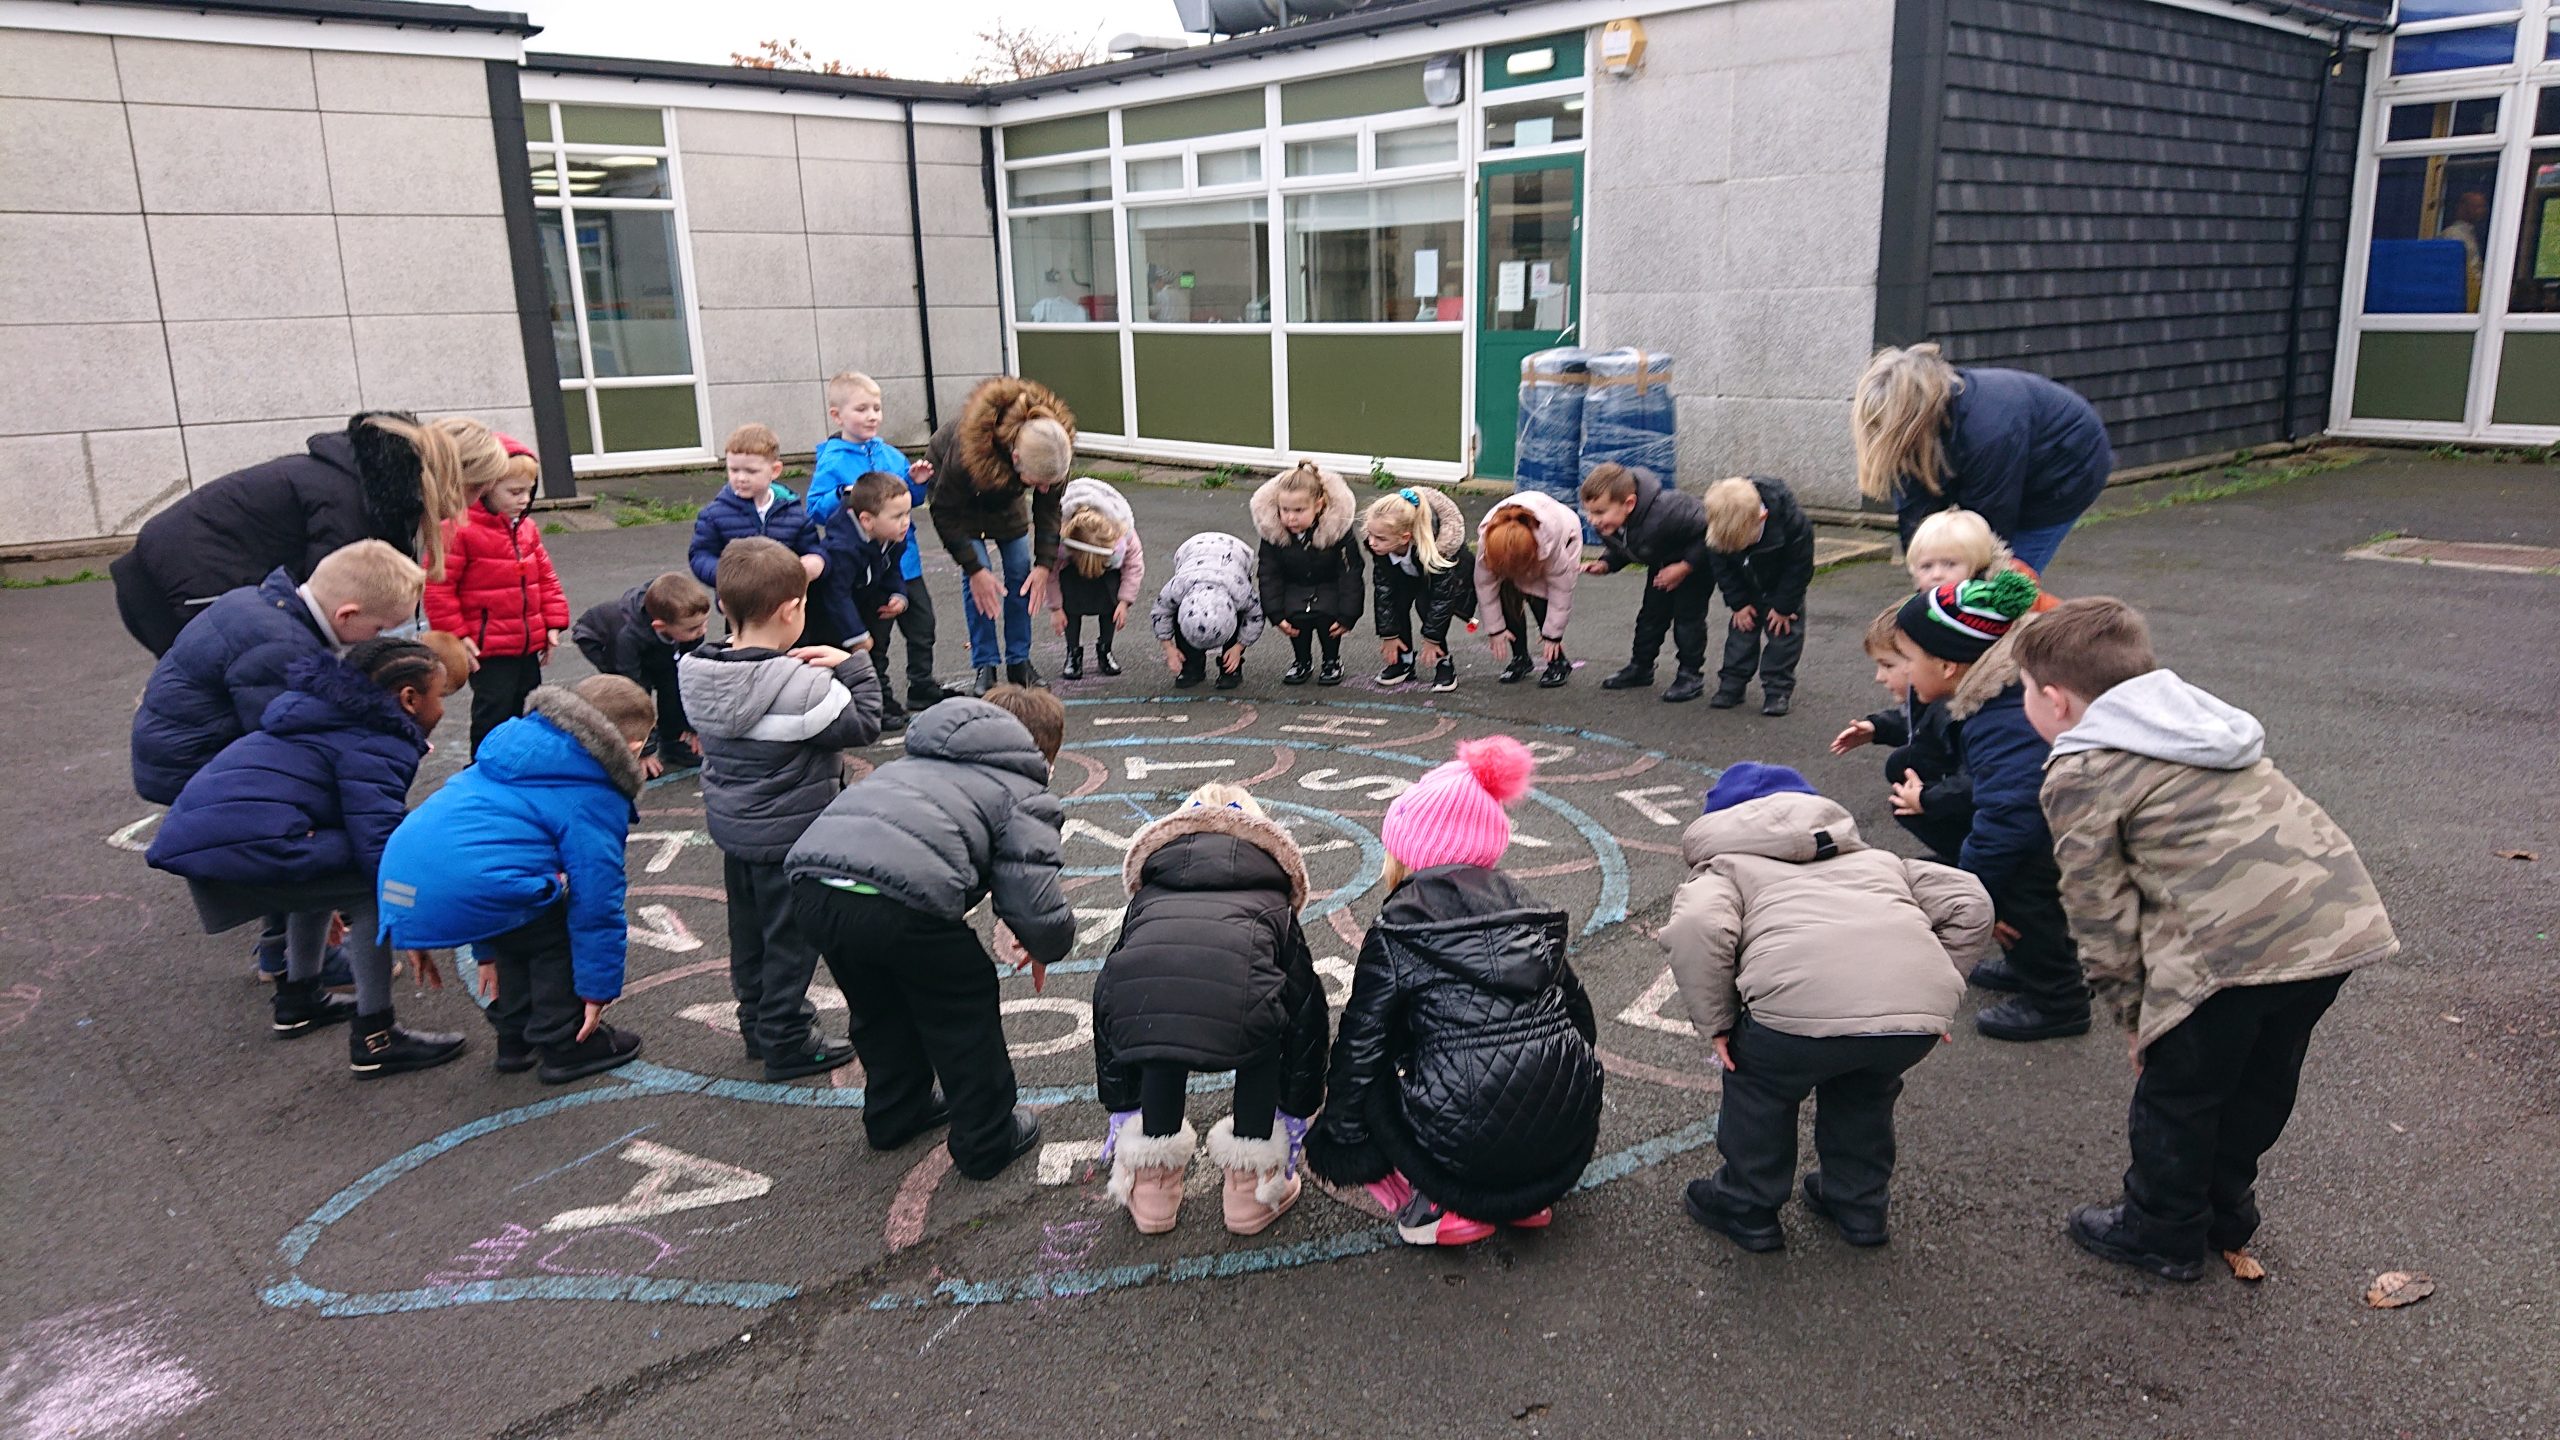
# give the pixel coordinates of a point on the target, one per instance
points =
(1641, 764)
(1617, 1064)
(915, 1197)
(1348, 928)
(1541, 872)
(1250, 715)
(669, 977)
(552, 1264)
(684, 892)
(16, 1004)
(1095, 773)
(1282, 757)
(1651, 847)
(647, 811)
(847, 1076)
(1447, 724)
(1376, 814)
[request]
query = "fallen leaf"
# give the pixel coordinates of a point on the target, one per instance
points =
(2244, 1265)
(2394, 1288)
(2517, 855)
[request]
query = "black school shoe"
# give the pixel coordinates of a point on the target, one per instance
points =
(986, 681)
(302, 1006)
(1025, 1137)
(1994, 974)
(1230, 679)
(2100, 1230)
(1074, 668)
(1396, 674)
(1558, 671)
(1814, 1201)
(1024, 674)
(1329, 673)
(815, 1056)
(1758, 1234)
(594, 1055)
(894, 724)
(1686, 686)
(1444, 676)
(1725, 699)
(378, 1046)
(1518, 668)
(936, 1116)
(515, 1055)
(1774, 704)
(1102, 661)
(1629, 677)
(1298, 673)
(1189, 676)
(2019, 1018)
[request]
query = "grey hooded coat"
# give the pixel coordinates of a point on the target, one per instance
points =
(772, 731)
(1220, 565)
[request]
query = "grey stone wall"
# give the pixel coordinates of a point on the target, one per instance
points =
(805, 265)
(215, 251)
(1735, 188)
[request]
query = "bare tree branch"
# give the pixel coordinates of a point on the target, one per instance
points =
(1020, 52)
(792, 55)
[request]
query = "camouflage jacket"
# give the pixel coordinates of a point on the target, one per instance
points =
(2190, 864)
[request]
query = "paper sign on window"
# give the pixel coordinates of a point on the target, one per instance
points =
(1511, 285)
(1426, 274)
(1542, 279)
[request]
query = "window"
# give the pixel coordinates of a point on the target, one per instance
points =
(2441, 119)
(1069, 184)
(1421, 145)
(1336, 155)
(2454, 35)
(1203, 264)
(1064, 271)
(620, 331)
(1164, 172)
(1556, 120)
(2537, 281)
(1230, 167)
(2430, 225)
(1370, 256)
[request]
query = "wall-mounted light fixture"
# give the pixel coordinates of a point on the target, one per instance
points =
(1444, 79)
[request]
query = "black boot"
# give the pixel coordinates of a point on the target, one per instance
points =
(1686, 686)
(986, 678)
(1230, 679)
(1774, 702)
(578, 1059)
(302, 1006)
(1194, 670)
(2100, 1230)
(1630, 676)
(1074, 668)
(815, 1056)
(1329, 673)
(2021, 1018)
(1758, 1233)
(1103, 662)
(1022, 673)
(1995, 974)
(1517, 670)
(377, 1046)
(1558, 671)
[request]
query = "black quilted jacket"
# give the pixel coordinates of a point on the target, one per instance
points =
(1465, 1055)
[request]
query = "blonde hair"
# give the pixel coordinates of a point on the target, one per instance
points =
(1734, 511)
(1215, 795)
(1878, 640)
(1400, 516)
(1042, 451)
(753, 438)
(624, 705)
(373, 576)
(1959, 535)
(1091, 527)
(1895, 416)
(455, 455)
(1304, 482)
(844, 384)
(1394, 874)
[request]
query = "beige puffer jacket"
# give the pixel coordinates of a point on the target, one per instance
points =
(1791, 916)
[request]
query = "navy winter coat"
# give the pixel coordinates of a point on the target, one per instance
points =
(216, 682)
(618, 639)
(2005, 756)
(315, 793)
(729, 517)
(860, 576)
(2023, 452)
(1774, 570)
(1666, 526)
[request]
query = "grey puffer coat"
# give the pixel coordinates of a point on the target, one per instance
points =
(772, 729)
(1215, 565)
(966, 815)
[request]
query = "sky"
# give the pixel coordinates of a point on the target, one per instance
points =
(911, 39)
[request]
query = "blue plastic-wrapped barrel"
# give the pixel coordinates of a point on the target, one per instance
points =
(1628, 415)
(1549, 459)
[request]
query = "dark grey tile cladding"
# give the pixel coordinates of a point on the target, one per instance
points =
(2117, 187)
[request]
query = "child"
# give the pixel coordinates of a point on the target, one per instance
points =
(747, 505)
(500, 594)
(1210, 973)
(1818, 968)
(1425, 568)
(1530, 555)
(1209, 604)
(1100, 567)
(521, 857)
(1643, 523)
(864, 583)
(853, 451)
(640, 637)
(1957, 643)
(1464, 1089)
(1310, 566)
(884, 882)
(2220, 910)
(1938, 809)
(1953, 545)
(293, 819)
(1760, 550)
(774, 722)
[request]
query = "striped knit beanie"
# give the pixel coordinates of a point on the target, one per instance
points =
(1961, 621)
(1454, 815)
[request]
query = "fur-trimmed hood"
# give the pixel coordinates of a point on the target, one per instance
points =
(1996, 671)
(594, 734)
(1332, 523)
(387, 468)
(991, 419)
(1260, 833)
(1448, 522)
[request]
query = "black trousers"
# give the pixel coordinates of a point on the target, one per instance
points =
(1197, 663)
(2045, 957)
(924, 996)
(1755, 651)
(1164, 1090)
(499, 689)
(1943, 831)
(915, 626)
(1315, 629)
(1683, 613)
(1103, 630)
(770, 961)
(1853, 1080)
(1518, 609)
(2215, 1094)
(537, 990)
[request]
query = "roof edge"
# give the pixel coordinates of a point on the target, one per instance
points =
(749, 77)
(393, 14)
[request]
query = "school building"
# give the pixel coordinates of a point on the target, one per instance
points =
(229, 225)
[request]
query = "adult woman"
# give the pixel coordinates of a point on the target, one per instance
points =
(1528, 554)
(385, 477)
(2024, 453)
(994, 497)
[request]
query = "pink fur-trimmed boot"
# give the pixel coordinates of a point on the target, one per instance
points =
(1262, 1181)
(1147, 1172)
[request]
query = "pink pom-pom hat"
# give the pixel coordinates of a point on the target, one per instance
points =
(1454, 815)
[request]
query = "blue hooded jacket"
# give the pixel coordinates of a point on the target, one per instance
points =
(217, 681)
(315, 792)
(729, 517)
(548, 795)
(840, 463)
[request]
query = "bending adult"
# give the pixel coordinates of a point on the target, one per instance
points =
(2024, 453)
(385, 477)
(997, 469)
(1528, 554)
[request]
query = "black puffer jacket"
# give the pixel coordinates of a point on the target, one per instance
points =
(1465, 1057)
(1211, 970)
(773, 732)
(1667, 526)
(359, 483)
(1318, 571)
(1773, 571)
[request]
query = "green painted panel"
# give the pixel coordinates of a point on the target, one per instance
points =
(1394, 396)
(612, 125)
(661, 417)
(2412, 374)
(1061, 136)
(1084, 368)
(537, 121)
(1210, 389)
(1187, 119)
(1363, 92)
(1566, 65)
(582, 438)
(2528, 380)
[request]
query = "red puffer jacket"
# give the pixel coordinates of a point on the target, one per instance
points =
(499, 590)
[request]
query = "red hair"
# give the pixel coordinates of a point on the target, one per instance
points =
(1510, 545)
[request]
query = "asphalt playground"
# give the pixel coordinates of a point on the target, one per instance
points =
(214, 1233)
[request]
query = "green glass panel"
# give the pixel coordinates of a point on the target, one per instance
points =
(1363, 92)
(612, 125)
(1562, 55)
(2412, 374)
(2528, 380)
(657, 418)
(537, 122)
(582, 436)
(1393, 396)
(1057, 137)
(1186, 119)
(1210, 389)
(1085, 371)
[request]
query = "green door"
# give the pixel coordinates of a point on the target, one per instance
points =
(1528, 295)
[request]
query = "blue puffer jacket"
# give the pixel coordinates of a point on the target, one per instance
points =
(548, 796)
(316, 792)
(217, 681)
(729, 517)
(840, 463)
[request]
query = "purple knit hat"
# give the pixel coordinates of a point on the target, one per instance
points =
(1454, 815)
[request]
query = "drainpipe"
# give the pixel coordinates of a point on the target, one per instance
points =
(924, 310)
(1005, 357)
(2302, 230)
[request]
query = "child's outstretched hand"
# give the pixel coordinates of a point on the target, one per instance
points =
(1860, 732)
(1172, 657)
(1906, 793)
(1671, 576)
(2005, 933)
(1230, 658)
(1724, 1053)
(595, 1017)
(1120, 615)
(1782, 624)
(1059, 619)
(893, 607)
(1595, 567)
(1747, 618)
(1391, 649)
(826, 657)
(422, 965)
(1288, 629)
(488, 989)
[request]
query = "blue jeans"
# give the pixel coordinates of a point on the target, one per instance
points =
(2035, 547)
(1013, 558)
